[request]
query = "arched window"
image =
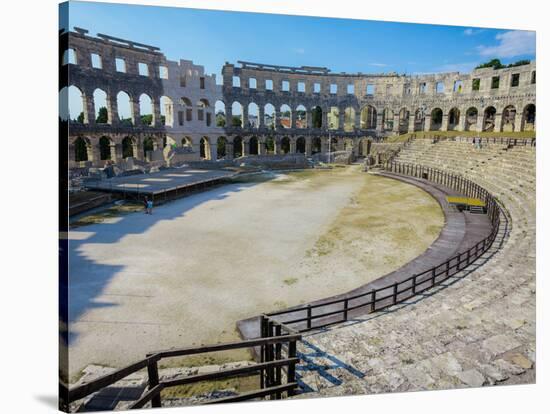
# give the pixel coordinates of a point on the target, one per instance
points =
(253, 116)
(529, 118)
(148, 145)
(471, 119)
(237, 147)
(489, 116)
(166, 111)
(349, 119)
(82, 149)
(128, 146)
(316, 145)
(71, 105)
(285, 145)
(301, 117)
(286, 116)
(317, 117)
(454, 119)
(204, 148)
(333, 118)
(100, 106)
(508, 119)
(253, 146)
(368, 117)
(301, 145)
(124, 106)
(105, 145)
(145, 109)
(219, 108)
(388, 119)
(436, 119)
(221, 147)
(237, 114)
(269, 116)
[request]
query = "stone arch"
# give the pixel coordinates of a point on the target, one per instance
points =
(269, 145)
(529, 118)
(253, 146)
(470, 123)
(106, 148)
(286, 116)
(221, 147)
(333, 118)
(148, 145)
(237, 114)
(219, 109)
(489, 118)
(269, 116)
(238, 147)
(436, 119)
(101, 109)
(317, 117)
(187, 142)
(349, 119)
(285, 145)
(124, 108)
(145, 110)
(72, 104)
(368, 117)
(301, 117)
(419, 120)
(253, 120)
(129, 147)
(454, 119)
(316, 145)
(82, 149)
(301, 145)
(204, 148)
(508, 119)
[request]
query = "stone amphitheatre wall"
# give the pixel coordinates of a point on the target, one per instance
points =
(268, 109)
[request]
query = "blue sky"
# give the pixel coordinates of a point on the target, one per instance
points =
(211, 38)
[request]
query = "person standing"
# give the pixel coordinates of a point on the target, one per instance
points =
(145, 204)
(149, 206)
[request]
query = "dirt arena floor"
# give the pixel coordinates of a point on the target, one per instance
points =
(184, 275)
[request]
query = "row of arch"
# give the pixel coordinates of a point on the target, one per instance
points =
(350, 119)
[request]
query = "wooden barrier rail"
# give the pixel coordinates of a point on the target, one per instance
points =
(269, 369)
(378, 299)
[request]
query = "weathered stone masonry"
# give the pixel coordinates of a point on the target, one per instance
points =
(279, 109)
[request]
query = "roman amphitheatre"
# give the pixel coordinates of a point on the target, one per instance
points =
(313, 233)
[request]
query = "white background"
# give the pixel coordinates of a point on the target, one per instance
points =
(28, 206)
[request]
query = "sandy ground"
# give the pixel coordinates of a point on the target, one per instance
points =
(186, 274)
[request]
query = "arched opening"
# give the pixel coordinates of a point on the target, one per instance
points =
(105, 148)
(419, 120)
(388, 119)
(301, 117)
(269, 116)
(301, 145)
(186, 115)
(237, 147)
(529, 118)
(270, 145)
(471, 119)
(368, 117)
(221, 147)
(145, 109)
(186, 142)
(404, 120)
(454, 119)
(100, 107)
(508, 119)
(333, 144)
(124, 107)
(82, 150)
(285, 145)
(333, 118)
(349, 119)
(71, 105)
(237, 114)
(253, 115)
(317, 117)
(148, 145)
(128, 146)
(436, 119)
(166, 111)
(253, 146)
(204, 148)
(348, 145)
(489, 116)
(286, 116)
(316, 145)
(219, 108)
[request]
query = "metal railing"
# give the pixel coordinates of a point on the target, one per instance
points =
(275, 338)
(318, 315)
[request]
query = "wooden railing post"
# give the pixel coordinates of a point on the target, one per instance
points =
(372, 300)
(153, 373)
(308, 316)
(345, 309)
(291, 373)
(433, 276)
(395, 293)
(278, 348)
(414, 285)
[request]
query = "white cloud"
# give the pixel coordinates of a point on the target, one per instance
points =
(512, 43)
(472, 32)
(379, 65)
